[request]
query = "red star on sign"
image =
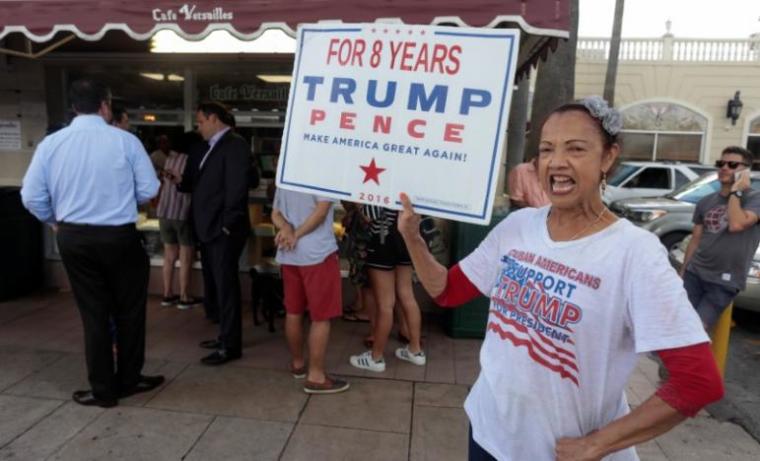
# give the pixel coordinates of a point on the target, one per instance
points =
(372, 172)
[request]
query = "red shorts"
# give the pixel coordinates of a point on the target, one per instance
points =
(316, 288)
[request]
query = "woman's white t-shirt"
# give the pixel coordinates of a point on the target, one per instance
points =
(566, 322)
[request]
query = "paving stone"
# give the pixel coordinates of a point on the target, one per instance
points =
(321, 443)
(69, 374)
(440, 364)
(651, 451)
(18, 363)
(232, 439)
(129, 433)
(57, 381)
(48, 435)
(169, 370)
(18, 414)
(373, 420)
(466, 360)
(709, 439)
(234, 391)
(439, 434)
(370, 404)
(639, 388)
(406, 371)
(440, 395)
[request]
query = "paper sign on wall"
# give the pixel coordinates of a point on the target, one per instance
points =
(379, 109)
(10, 135)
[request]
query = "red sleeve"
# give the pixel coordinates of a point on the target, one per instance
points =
(458, 289)
(694, 380)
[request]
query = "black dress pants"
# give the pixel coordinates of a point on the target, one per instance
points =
(224, 254)
(108, 269)
(209, 286)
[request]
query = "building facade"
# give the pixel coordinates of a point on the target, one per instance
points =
(674, 94)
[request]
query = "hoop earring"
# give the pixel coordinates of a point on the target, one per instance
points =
(604, 182)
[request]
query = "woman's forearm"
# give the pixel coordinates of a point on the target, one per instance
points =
(652, 418)
(430, 272)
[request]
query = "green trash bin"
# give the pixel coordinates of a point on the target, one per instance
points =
(469, 320)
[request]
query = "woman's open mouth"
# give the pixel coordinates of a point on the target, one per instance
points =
(561, 185)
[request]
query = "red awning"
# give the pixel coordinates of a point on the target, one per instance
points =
(246, 19)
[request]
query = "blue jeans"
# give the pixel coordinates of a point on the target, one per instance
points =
(476, 453)
(709, 299)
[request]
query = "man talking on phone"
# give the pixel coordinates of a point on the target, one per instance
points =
(725, 237)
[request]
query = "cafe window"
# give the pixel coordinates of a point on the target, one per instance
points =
(663, 131)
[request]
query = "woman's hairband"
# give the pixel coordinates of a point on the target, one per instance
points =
(612, 121)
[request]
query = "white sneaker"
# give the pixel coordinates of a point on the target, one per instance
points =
(405, 354)
(365, 362)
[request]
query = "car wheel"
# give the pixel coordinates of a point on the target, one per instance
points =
(673, 239)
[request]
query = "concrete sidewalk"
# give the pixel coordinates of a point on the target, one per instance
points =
(252, 408)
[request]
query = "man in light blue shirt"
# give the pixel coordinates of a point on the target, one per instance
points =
(89, 173)
(86, 181)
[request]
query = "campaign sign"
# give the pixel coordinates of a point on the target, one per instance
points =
(379, 109)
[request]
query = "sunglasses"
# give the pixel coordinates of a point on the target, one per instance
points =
(732, 165)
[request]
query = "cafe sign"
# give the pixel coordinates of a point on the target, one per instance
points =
(191, 12)
(248, 92)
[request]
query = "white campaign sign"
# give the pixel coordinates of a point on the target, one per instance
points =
(379, 109)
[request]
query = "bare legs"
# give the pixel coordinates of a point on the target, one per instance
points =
(319, 335)
(185, 269)
(171, 252)
(388, 286)
(405, 295)
(184, 253)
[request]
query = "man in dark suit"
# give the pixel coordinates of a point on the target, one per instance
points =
(196, 147)
(220, 216)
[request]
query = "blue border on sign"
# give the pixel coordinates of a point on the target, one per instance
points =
(498, 137)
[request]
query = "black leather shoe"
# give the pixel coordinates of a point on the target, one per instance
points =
(211, 344)
(220, 357)
(87, 399)
(145, 384)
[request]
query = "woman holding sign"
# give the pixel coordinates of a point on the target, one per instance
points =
(576, 295)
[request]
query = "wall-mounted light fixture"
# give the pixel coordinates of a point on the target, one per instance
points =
(734, 108)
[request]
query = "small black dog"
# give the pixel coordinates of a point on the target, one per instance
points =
(266, 293)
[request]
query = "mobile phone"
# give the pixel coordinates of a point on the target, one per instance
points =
(738, 175)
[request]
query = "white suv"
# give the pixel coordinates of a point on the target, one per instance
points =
(650, 179)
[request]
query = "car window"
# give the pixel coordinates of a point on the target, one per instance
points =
(697, 189)
(623, 171)
(700, 170)
(681, 179)
(650, 178)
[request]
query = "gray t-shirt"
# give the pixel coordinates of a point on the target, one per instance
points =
(315, 246)
(724, 257)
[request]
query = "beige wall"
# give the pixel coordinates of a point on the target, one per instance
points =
(22, 97)
(703, 87)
